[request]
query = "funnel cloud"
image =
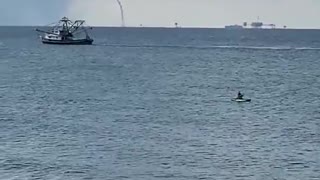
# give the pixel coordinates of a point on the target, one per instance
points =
(122, 14)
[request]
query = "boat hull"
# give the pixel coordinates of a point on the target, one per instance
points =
(68, 42)
(241, 100)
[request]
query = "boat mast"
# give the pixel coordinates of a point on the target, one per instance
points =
(65, 26)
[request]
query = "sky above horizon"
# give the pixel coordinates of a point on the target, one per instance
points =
(163, 13)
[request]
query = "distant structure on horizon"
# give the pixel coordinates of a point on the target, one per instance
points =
(259, 24)
(254, 25)
(234, 27)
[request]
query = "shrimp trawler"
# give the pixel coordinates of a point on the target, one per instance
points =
(67, 32)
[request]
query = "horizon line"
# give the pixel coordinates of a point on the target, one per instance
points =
(173, 27)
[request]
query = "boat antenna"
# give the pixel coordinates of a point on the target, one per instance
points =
(122, 13)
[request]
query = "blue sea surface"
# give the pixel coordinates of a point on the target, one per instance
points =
(155, 104)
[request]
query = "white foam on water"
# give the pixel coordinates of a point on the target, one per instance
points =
(214, 47)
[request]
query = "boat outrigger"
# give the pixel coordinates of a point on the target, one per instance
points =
(67, 32)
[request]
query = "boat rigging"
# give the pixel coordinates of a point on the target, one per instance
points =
(67, 32)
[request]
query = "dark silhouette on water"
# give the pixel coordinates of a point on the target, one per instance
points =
(240, 96)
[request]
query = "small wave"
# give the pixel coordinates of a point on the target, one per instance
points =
(271, 47)
(2, 46)
(306, 48)
(212, 47)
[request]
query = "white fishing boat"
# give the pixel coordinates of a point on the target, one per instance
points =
(67, 32)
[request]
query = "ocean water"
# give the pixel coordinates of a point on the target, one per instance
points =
(156, 104)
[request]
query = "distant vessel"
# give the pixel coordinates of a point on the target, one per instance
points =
(239, 98)
(256, 24)
(67, 32)
(259, 25)
(233, 27)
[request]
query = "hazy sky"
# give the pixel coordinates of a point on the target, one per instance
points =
(196, 13)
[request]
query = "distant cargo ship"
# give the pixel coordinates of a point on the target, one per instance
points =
(233, 27)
